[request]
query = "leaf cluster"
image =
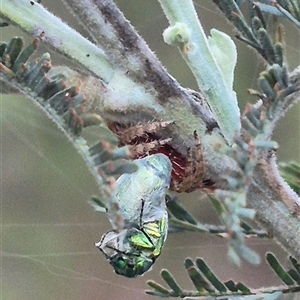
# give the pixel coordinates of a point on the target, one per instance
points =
(67, 106)
(208, 284)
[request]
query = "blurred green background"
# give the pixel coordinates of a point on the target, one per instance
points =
(47, 228)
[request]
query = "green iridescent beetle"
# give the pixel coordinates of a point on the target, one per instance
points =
(139, 217)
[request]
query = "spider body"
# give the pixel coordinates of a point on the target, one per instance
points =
(144, 139)
(139, 217)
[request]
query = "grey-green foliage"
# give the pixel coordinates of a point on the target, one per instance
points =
(50, 93)
(207, 283)
(203, 278)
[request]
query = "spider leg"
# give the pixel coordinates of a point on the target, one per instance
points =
(198, 164)
(142, 148)
(139, 130)
(189, 171)
(193, 169)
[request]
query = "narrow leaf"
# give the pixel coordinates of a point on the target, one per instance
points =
(276, 266)
(179, 212)
(231, 286)
(199, 282)
(295, 275)
(178, 225)
(157, 287)
(291, 173)
(295, 263)
(246, 227)
(249, 255)
(188, 263)
(243, 288)
(197, 279)
(270, 9)
(97, 204)
(170, 281)
(207, 272)
(217, 205)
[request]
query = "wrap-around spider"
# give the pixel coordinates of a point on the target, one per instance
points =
(143, 139)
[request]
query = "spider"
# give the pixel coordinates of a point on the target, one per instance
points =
(144, 139)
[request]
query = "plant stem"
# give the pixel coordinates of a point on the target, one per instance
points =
(198, 57)
(277, 205)
(40, 23)
(158, 96)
